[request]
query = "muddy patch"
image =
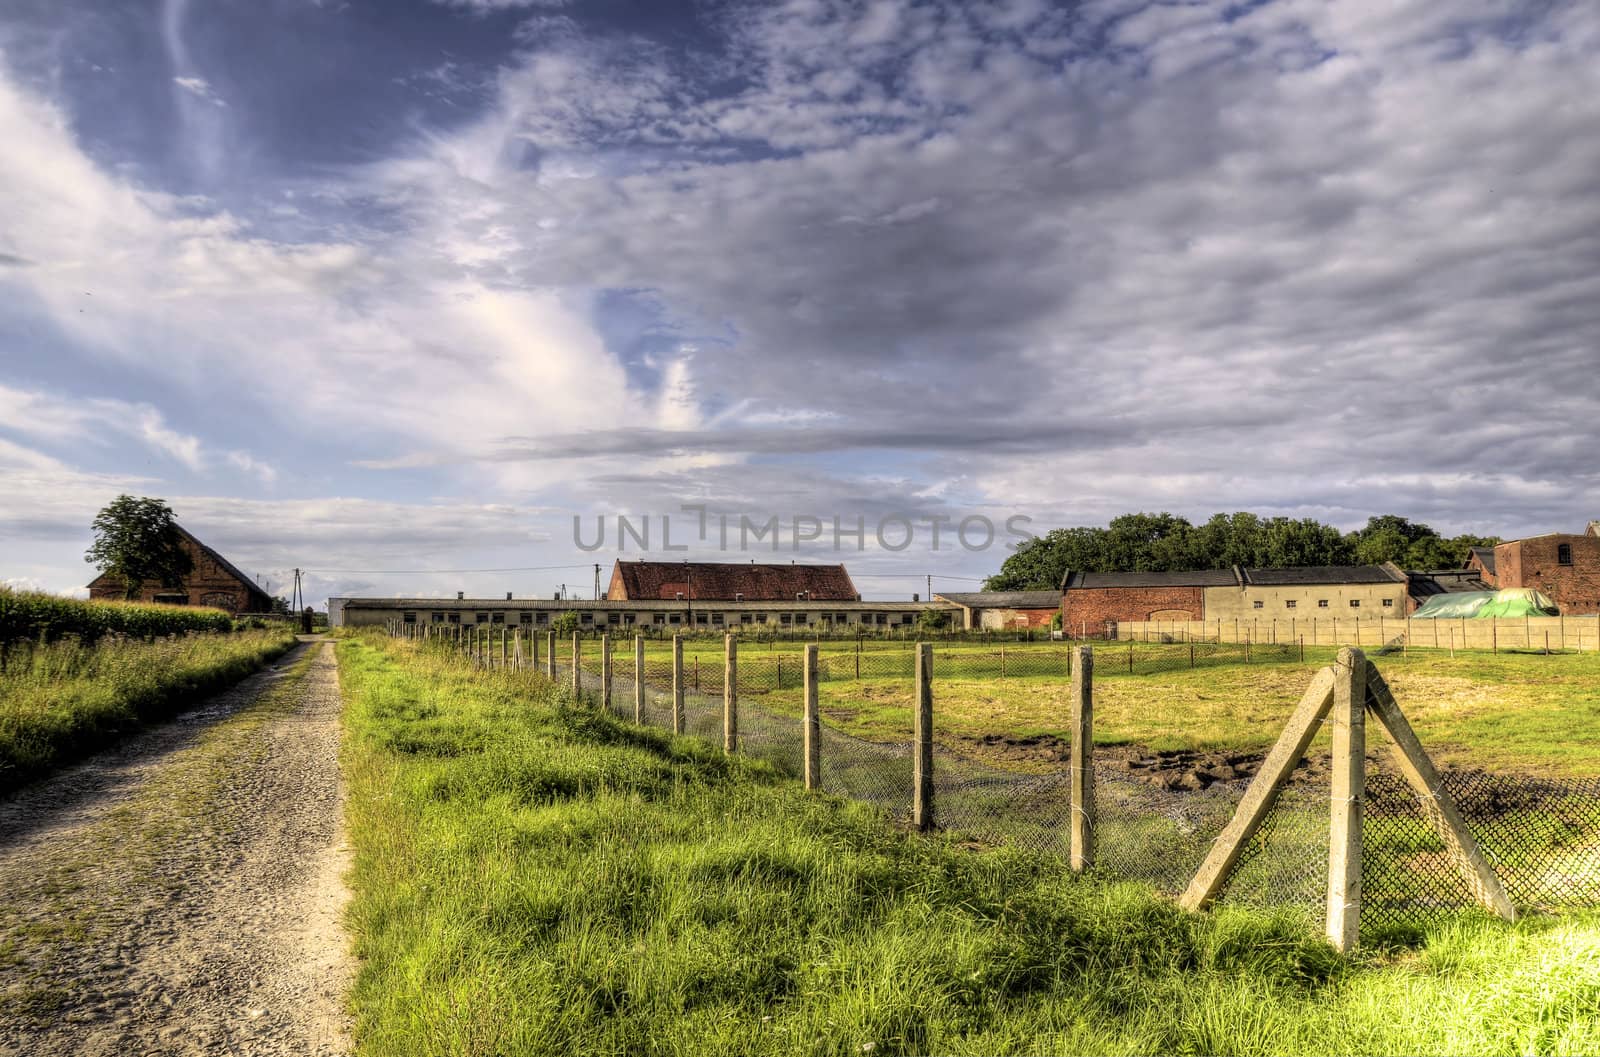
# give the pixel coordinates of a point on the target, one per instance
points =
(1176, 770)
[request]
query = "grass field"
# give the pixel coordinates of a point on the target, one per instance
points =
(1519, 712)
(60, 701)
(534, 878)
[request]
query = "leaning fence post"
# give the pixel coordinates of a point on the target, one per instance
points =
(1347, 797)
(922, 738)
(813, 722)
(504, 634)
(1082, 766)
(577, 665)
(677, 684)
(638, 679)
(730, 694)
(550, 654)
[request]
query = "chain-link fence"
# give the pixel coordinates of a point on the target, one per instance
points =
(1541, 836)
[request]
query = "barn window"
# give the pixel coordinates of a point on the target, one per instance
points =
(543, 618)
(455, 618)
(675, 618)
(1564, 554)
(481, 618)
(410, 618)
(525, 617)
(613, 618)
(436, 618)
(1388, 603)
(745, 618)
(586, 618)
(905, 618)
(658, 618)
(498, 618)
(1322, 603)
(699, 618)
(1355, 603)
(784, 618)
(1289, 603)
(716, 618)
(1258, 604)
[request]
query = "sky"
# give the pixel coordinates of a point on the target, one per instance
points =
(392, 291)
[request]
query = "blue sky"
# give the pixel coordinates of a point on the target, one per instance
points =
(406, 286)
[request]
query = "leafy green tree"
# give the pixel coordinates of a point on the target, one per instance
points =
(931, 619)
(1039, 564)
(1304, 541)
(137, 540)
(564, 625)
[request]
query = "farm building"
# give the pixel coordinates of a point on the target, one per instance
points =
(1424, 586)
(1003, 610)
(1565, 567)
(730, 582)
(1481, 561)
(1099, 600)
(213, 581)
(631, 615)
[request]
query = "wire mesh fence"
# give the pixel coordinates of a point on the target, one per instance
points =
(1540, 835)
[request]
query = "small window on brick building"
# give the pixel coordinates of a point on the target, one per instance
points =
(1289, 603)
(1322, 603)
(1388, 603)
(436, 618)
(525, 617)
(1355, 603)
(410, 618)
(499, 618)
(1564, 554)
(481, 618)
(1258, 604)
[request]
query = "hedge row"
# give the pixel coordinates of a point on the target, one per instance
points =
(34, 616)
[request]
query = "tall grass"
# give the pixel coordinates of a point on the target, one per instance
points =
(536, 878)
(61, 700)
(38, 617)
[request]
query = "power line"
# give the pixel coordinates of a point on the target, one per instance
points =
(442, 572)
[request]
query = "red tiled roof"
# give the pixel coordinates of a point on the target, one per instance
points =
(728, 581)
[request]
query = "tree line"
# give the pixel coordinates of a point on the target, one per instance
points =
(1165, 542)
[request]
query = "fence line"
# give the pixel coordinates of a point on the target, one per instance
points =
(1563, 633)
(1541, 837)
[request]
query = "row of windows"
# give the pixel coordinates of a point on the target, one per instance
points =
(1322, 603)
(698, 619)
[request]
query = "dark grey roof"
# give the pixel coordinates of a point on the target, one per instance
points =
(1485, 557)
(1325, 574)
(1178, 578)
(1445, 582)
(1003, 599)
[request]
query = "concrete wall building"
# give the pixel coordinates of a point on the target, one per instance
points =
(634, 615)
(212, 582)
(1092, 601)
(1003, 610)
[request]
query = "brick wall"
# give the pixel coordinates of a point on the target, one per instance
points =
(1483, 574)
(1094, 606)
(1536, 563)
(208, 585)
(1015, 619)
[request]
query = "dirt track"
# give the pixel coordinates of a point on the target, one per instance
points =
(181, 894)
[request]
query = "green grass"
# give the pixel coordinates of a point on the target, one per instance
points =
(60, 701)
(534, 878)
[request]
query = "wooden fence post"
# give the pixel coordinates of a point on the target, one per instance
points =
(577, 666)
(813, 722)
(605, 670)
(550, 655)
(1082, 759)
(677, 684)
(1347, 798)
(922, 738)
(533, 650)
(638, 679)
(504, 651)
(730, 694)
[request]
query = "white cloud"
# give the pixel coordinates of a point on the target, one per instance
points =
(200, 89)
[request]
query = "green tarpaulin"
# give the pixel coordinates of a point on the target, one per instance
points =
(1512, 602)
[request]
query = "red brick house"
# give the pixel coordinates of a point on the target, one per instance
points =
(213, 581)
(730, 582)
(1564, 566)
(1094, 600)
(1481, 561)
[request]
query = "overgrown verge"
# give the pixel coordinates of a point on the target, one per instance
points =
(33, 616)
(534, 878)
(63, 700)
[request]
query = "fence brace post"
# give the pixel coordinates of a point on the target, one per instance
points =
(813, 722)
(1082, 750)
(922, 738)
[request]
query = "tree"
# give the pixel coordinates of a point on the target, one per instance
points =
(931, 619)
(564, 625)
(136, 540)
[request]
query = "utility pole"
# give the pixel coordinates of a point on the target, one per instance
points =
(930, 589)
(597, 580)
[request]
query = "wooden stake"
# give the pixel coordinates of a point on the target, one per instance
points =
(577, 666)
(730, 694)
(1263, 792)
(605, 670)
(1081, 774)
(813, 722)
(1412, 760)
(922, 739)
(1347, 798)
(550, 655)
(677, 684)
(638, 679)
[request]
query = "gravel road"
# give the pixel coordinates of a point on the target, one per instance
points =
(182, 893)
